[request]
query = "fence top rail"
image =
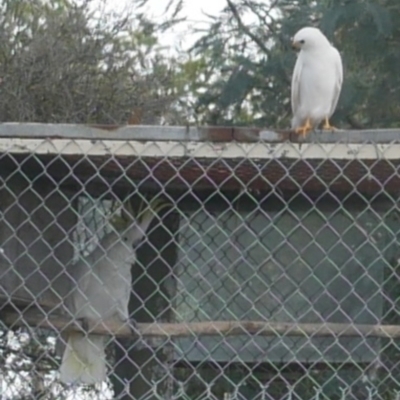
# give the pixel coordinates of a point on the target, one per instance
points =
(178, 156)
(206, 151)
(202, 143)
(191, 133)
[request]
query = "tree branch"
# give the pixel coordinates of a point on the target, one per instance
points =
(209, 328)
(245, 29)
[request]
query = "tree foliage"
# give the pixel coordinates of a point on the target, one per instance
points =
(64, 62)
(248, 47)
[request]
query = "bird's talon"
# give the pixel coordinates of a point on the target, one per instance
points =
(303, 130)
(327, 126)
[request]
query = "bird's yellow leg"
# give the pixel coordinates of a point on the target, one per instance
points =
(327, 126)
(303, 130)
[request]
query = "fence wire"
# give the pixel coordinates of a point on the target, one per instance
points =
(142, 258)
(269, 272)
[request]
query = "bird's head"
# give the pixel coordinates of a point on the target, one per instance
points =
(309, 38)
(131, 227)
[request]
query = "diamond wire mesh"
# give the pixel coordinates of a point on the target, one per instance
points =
(298, 241)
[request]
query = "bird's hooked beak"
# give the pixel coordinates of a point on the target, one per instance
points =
(296, 45)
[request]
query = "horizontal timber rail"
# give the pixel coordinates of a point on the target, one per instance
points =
(207, 328)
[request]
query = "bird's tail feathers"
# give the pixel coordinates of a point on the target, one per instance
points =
(84, 359)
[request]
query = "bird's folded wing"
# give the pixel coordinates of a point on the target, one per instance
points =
(296, 85)
(338, 80)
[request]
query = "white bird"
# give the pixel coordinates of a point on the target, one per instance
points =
(102, 292)
(316, 81)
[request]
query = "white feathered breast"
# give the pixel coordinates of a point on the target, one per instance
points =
(316, 84)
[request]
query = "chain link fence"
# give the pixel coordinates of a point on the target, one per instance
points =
(162, 234)
(267, 267)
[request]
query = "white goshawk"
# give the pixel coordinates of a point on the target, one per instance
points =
(316, 81)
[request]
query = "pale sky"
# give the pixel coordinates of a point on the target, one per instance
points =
(193, 10)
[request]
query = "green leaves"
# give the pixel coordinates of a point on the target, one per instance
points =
(60, 62)
(350, 12)
(236, 88)
(381, 17)
(252, 86)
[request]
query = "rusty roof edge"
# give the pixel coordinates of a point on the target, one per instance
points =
(201, 150)
(187, 134)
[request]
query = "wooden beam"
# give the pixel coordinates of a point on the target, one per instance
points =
(209, 328)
